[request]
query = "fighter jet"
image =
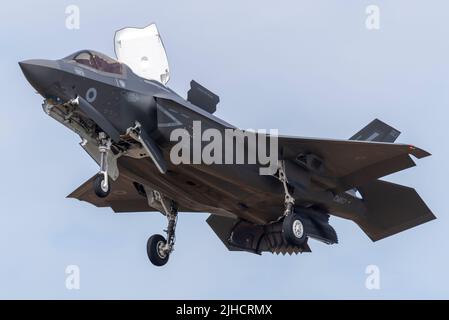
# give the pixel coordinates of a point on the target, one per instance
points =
(125, 115)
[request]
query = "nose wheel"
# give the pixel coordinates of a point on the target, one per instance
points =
(102, 187)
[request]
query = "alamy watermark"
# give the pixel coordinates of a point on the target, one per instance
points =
(372, 281)
(372, 21)
(229, 146)
(72, 21)
(73, 277)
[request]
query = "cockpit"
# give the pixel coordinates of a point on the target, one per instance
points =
(138, 50)
(98, 61)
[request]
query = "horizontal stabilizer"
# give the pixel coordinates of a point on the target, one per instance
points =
(377, 131)
(391, 209)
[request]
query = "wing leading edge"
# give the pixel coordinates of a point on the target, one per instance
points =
(352, 163)
(124, 198)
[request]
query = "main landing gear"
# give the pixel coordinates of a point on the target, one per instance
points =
(102, 186)
(292, 227)
(159, 248)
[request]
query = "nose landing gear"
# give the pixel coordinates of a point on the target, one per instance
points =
(102, 187)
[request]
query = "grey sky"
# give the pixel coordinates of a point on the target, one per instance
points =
(274, 65)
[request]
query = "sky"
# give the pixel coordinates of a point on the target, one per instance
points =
(307, 68)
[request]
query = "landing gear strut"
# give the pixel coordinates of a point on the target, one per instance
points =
(102, 187)
(289, 201)
(159, 248)
(292, 227)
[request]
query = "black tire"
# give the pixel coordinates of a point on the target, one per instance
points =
(153, 251)
(293, 230)
(99, 189)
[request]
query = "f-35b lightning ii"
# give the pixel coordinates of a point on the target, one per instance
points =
(125, 115)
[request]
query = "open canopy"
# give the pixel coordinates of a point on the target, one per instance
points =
(143, 51)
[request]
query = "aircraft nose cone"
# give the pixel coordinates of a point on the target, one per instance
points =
(25, 66)
(39, 73)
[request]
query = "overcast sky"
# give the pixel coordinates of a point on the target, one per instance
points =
(308, 68)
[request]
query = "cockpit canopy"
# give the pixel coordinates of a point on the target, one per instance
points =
(98, 61)
(138, 50)
(142, 50)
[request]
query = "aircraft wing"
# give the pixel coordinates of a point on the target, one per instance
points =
(124, 196)
(347, 163)
(351, 163)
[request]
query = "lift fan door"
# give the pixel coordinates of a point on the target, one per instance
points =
(143, 51)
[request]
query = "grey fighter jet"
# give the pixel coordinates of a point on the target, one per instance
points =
(125, 118)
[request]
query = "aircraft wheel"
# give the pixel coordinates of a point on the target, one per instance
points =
(293, 229)
(100, 187)
(155, 250)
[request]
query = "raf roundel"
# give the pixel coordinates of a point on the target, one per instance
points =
(91, 95)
